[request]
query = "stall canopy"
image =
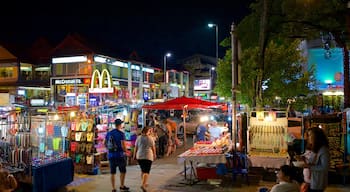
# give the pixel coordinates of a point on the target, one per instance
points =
(183, 102)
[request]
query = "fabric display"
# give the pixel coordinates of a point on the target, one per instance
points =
(73, 125)
(90, 127)
(57, 131)
(89, 159)
(84, 125)
(78, 136)
(74, 146)
(56, 143)
(64, 131)
(49, 130)
(90, 137)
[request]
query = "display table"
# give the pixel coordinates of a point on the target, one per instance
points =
(268, 162)
(199, 155)
(52, 176)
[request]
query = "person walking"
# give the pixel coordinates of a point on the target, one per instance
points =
(162, 140)
(320, 165)
(145, 153)
(117, 157)
(172, 136)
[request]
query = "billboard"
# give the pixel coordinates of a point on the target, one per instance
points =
(202, 85)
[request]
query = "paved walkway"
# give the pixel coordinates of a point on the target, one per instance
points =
(167, 175)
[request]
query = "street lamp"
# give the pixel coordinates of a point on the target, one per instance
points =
(165, 81)
(211, 25)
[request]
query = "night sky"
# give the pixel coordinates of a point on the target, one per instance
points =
(151, 28)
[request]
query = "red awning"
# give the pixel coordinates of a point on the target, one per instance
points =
(181, 103)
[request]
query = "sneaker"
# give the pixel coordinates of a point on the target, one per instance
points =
(114, 190)
(125, 188)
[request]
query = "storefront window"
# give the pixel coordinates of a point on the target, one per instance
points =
(7, 72)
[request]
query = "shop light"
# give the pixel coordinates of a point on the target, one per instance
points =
(204, 118)
(72, 114)
(148, 70)
(74, 59)
(330, 93)
(120, 64)
(100, 59)
(56, 117)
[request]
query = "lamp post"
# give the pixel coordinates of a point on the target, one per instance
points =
(164, 63)
(211, 25)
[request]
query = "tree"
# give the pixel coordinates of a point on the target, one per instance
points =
(281, 22)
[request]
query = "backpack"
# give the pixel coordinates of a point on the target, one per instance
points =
(111, 144)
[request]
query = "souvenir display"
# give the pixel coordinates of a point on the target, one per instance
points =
(82, 139)
(267, 134)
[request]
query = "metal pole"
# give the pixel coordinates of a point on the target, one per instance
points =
(164, 63)
(217, 43)
(234, 44)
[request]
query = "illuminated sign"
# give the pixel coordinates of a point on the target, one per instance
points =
(101, 78)
(74, 59)
(37, 102)
(67, 81)
(201, 84)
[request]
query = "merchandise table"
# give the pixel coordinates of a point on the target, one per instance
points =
(52, 176)
(202, 155)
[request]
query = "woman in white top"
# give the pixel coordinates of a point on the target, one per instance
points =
(145, 153)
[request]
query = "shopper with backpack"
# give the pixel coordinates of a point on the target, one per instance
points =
(115, 143)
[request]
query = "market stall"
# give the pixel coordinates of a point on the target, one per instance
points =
(267, 139)
(30, 149)
(184, 104)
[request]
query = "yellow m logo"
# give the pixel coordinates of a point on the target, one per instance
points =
(101, 86)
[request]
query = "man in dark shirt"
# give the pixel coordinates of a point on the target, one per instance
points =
(117, 158)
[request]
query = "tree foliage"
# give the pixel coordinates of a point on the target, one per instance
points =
(282, 73)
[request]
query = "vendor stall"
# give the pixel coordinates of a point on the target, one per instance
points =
(267, 136)
(196, 155)
(29, 150)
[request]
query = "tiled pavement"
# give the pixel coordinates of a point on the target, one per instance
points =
(166, 175)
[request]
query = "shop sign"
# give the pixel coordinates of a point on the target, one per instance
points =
(37, 102)
(101, 77)
(67, 81)
(201, 84)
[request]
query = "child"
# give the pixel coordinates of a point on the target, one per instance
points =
(8, 182)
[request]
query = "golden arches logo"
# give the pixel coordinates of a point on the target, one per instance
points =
(101, 86)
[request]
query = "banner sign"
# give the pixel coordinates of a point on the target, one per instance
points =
(98, 82)
(67, 81)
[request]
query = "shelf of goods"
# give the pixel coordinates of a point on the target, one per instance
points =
(336, 142)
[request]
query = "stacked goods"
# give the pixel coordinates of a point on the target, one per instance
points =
(336, 150)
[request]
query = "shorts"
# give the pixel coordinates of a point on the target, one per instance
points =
(145, 165)
(119, 162)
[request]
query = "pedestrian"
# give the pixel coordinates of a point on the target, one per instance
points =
(145, 153)
(8, 182)
(162, 140)
(172, 135)
(308, 157)
(286, 182)
(117, 157)
(319, 167)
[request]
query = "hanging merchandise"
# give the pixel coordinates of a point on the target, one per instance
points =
(82, 137)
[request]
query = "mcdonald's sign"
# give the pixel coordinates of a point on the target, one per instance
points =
(101, 82)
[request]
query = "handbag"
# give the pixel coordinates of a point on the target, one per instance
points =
(304, 187)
